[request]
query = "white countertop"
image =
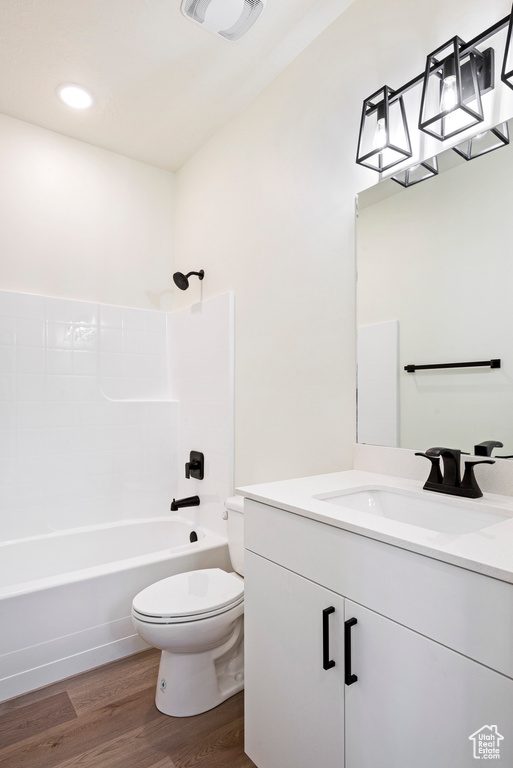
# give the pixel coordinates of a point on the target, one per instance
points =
(488, 551)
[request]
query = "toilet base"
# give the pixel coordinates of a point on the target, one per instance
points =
(189, 684)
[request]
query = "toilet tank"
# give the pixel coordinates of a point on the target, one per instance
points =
(235, 512)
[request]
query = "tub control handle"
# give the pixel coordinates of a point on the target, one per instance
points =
(327, 663)
(195, 467)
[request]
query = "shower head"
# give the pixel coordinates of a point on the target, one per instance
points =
(182, 281)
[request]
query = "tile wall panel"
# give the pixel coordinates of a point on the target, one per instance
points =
(100, 406)
(88, 429)
(202, 366)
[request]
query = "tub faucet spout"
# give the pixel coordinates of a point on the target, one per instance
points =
(189, 501)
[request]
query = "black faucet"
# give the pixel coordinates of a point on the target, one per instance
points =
(450, 481)
(189, 501)
(486, 448)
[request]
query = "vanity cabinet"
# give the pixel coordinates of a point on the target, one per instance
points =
(423, 687)
(291, 699)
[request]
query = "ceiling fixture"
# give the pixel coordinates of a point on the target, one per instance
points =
(75, 95)
(455, 78)
(230, 19)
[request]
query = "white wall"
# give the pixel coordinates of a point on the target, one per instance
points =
(266, 208)
(79, 222)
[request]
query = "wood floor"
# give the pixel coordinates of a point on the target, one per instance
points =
(106, 718)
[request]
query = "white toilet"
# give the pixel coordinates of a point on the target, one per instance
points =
(196, 619)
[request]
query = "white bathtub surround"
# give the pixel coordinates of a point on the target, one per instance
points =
(88, 430)
(202, 342)
(72, 612)
(90, 427)
(92, 436)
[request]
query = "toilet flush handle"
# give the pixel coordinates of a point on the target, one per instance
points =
(225, 514)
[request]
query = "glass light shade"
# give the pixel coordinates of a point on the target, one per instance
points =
(417, 173)
(478, 145)
(451, 95)
(384, 139)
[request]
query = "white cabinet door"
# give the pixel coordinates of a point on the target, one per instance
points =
(294, 707)
(416, 703)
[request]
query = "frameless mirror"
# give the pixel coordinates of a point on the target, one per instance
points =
(435, 287)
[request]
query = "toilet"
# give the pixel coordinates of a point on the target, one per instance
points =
(196, 619)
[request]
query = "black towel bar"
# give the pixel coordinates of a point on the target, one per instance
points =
(496, 363)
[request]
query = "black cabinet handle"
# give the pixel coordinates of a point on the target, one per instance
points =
(350, 678)
(327, 663)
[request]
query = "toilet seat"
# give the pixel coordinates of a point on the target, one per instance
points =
(189, 596)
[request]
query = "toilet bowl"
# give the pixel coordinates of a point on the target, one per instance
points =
(196, 620)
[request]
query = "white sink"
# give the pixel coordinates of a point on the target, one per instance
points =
(445, 515)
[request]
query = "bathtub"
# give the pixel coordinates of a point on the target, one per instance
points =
(65, 597)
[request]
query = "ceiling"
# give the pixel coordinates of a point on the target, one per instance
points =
(163, 85)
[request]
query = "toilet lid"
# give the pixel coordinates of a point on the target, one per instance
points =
(190, 594)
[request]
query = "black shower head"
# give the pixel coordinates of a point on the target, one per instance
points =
(182, 281)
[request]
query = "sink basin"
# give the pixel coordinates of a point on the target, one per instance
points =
(445, 515)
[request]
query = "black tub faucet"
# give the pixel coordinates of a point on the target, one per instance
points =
(189, 501)
(450, 481)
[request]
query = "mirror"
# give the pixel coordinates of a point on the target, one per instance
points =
(435, 286)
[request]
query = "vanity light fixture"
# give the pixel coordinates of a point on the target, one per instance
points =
(454, 81)
(456, 77)
(384, 139)
(485, 142)
(75, 95)
(417, 173)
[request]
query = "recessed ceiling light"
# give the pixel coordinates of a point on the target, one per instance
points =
(75, 95)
